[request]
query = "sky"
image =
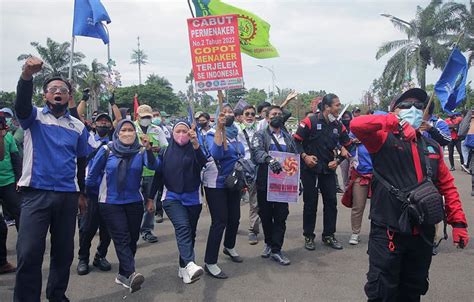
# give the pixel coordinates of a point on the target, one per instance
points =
(329, 45)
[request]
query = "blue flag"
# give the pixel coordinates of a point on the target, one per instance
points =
(451, 86)
(190, 114)
(88, 17)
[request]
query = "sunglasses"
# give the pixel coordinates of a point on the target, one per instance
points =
(62, 90)
(408, 105)
(249, 113)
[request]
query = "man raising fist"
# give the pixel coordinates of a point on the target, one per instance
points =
(49, 184)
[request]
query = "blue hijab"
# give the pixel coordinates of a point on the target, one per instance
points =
(124, 153)
(231, 131)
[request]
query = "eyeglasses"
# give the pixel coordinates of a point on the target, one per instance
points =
(249, 113)
(408, 105)
(62, 89)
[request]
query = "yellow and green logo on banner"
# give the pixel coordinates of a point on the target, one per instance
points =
(254, 32)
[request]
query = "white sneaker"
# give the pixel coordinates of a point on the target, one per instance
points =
(190, 273)
(354, 239)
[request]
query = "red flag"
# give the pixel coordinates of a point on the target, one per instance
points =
(135, 106)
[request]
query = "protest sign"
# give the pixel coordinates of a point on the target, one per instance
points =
(284, 187)
(215, 52)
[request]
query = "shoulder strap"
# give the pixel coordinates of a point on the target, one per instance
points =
(275, 141)
(429, 171)
(246, 137)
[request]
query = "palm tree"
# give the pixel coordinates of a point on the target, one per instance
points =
(94, 80)
(139, 57)
(154, 79)
(467, 41)
(56, 61)
(428, 41)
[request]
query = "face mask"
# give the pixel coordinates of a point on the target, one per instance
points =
(331, 117)
(57, 108)
(249, 125)
(181, 138)
(102, 130)
(156, 121)
(203, 125)
(128, 117)
(145, 122)
(412, 116)
(276, 122)
(346, 123)
(229, 120)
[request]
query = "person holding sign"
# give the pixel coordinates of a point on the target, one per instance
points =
(224, 203)
(272, 214)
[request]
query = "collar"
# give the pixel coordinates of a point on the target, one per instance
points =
(47, 110)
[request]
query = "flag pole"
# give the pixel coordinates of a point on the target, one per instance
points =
(190, 9)
(71, 59)
(109, 66)
(220, 97)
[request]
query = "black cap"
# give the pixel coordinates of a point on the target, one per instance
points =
(103, 115)
(356, 109)
(416, 93)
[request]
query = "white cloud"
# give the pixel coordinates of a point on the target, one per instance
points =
(328, 45)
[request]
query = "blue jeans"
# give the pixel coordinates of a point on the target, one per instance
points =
(148, 221)
(185, 220)
(123, 223)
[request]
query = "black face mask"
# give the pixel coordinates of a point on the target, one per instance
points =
(202, 125)
(276, 122)
(229, 120)
(346, 123)
(102, 130)
(57, 108)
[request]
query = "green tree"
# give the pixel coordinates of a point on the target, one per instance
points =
(384, 91)
(233, 96)
(56, 57)
(7, 99)
(139, 58)
(256, 96)
(94, 79)
(427, 43)
(154, 79)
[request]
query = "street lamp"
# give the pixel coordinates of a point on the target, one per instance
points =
(273, 78)
(407, 72)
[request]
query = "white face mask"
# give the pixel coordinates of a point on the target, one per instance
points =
(145, 122)
(331, 117)
(128, 117)
(412, 116)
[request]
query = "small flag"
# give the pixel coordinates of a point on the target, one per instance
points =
(88, 18)
(254, 32)
(190, 114)
(135, 106)
(451, 86)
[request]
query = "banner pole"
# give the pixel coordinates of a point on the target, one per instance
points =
(71, 59)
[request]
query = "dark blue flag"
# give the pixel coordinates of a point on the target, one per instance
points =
(451, 86)
(88, 18)
(190, 114)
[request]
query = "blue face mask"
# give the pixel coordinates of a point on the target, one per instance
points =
(412, 116)
(156, 121)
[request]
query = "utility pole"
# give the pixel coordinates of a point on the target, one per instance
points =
(139, 54)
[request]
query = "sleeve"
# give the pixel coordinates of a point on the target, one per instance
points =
(74, 113)
(286, 115)
(16, 164)
(344, 138)
(150, 160)
(302, 133)
(446, 187)
(24, 109)
(12, 144)
(259, 154)
(200, 157)
(83, 143)
(469, 142)
(217, 152)
(440, 133)
(97, 167)
(81, 172)
(372, 130)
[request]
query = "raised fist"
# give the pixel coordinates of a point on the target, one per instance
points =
(32, 65)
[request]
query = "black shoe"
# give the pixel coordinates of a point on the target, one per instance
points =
(236, 259)
(149, 237)
(159, 218)
(102, 263)
(434, 252)
(309, 243)
(280, 258)
(82, 267)
(63, 299)
(267, 250)
(331, 241)
(452, 169)
(221, 275)
(340, 191)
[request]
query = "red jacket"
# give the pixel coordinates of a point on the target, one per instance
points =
(455, 121)
(395, 152)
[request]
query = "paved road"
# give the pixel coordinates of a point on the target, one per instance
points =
(320, 275)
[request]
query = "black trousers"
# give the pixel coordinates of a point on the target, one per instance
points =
(90, 222)
(455, 143)
(273, 216)
(401, 274)
(42, 210)
(11, 202)
(224, 206)
(123, 222)
(3, 241)
(327, 186)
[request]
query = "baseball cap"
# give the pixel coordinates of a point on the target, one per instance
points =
(145, 111)
(103, 115)
(416, 93)
(7, 110)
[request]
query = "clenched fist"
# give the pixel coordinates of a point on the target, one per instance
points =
(32, 65)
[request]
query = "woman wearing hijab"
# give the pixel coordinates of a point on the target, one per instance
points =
(120, 165)
(224, 204)
(184, 159)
